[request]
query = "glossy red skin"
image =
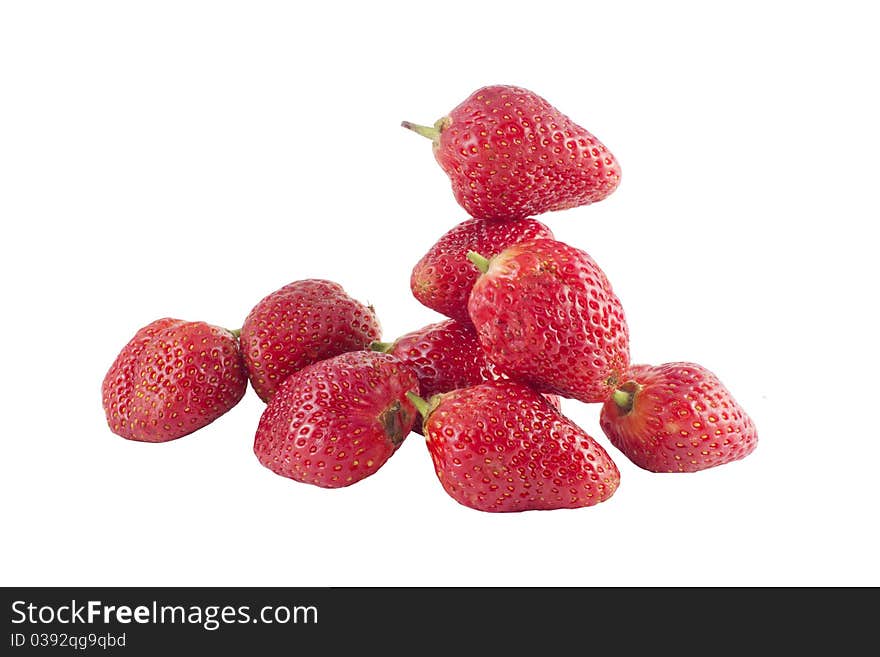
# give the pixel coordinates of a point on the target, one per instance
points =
(446, 356)
(337, 421)
(554, 400)
(172, 378)
(682, 419)
(501, 447)
(546, 314)
(509, 154)
(443, 278)
(303, 322)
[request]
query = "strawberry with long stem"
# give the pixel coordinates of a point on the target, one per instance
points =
(509, 154)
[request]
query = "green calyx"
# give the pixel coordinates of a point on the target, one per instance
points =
(235, 332)
(480, 262)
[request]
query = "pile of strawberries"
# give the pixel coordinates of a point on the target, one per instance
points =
(531, 319)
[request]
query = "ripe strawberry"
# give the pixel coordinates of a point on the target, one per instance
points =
(443, 278)
(677, 417)
(172, 378)
(445, 356)
(500, 446)
(299, 324)
(338, 420)
(510, 154)
(546, 314)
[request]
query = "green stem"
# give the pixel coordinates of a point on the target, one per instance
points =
(384, 347)
(479, 261)
(622, 398)
(235, 332)
(423, 407)
(430, 132)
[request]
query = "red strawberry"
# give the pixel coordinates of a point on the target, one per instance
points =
(546, 314)
(677, 417)
(172, 378)
(500, 446)
(445, 356)
(510, 154)
(302, 323)
(337, 421)
(443, 278)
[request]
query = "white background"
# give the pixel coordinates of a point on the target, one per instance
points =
(185, 159)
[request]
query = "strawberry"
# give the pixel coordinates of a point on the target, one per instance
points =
(500, 446)
(445, 356)
(509, 154)
(545, 313)
(443, 278)
(677, 417)
(172, 378)
(338, 420)
(299, 324)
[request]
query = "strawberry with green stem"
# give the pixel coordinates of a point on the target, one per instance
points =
(545, 314)
(442, 279)
(337, 421)
(509, 154)
(677, 417)
(499, 446)
(445, 356)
